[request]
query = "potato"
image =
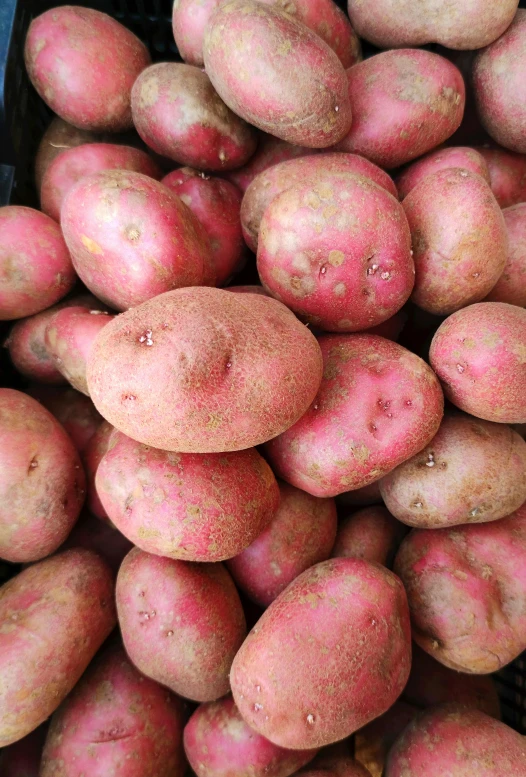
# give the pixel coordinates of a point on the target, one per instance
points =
(278, 178)
(99, 536)
(83, 64)
(331, 653)
(217, 204)
(464, 742)
(53, 618)
(377, 406)
(373, 742)
(181, 623)
(75, 163)
(188, 506)
(74, 411)
(35, 266)
(478, 354)
(42, 484)
(391, 328)
(441, 159)
(218, 743)
(472, 471)
(270, 151)
(336, 760)
(291, 84)
(507, 173)
(131, 238)
(91, 458)
(466, 592)
(220, 364)
(499, 86)
(58, 137)
(511, 286)
(404, 103)
(116, 721)
(372, 534)
(300, 534)
(22, 759)
(457, 24)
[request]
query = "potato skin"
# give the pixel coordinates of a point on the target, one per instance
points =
(235, 386)
(300, 534)
(465, 742)
(91, 458)
(74, 411)
(190, 506)
(42, 483)
(181, 623)
(372, 534)
(478, 354)
(270, 151)
(441, 159)
(116, 720)
(404, 103)
(377, 405)
(465, 588)
(301, 98)
(511, 286)
(507, 172)
(472, 471)
(300, 677)
(218, 743)
(83, 64)
(58, 137)
(53, 618)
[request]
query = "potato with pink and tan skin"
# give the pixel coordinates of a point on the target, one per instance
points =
(270, 151)
(73, 410)
(507, 172)
(441, 159)
(91, 458)
(181, 623)
(58, 137)
(511, 286)
(372, 534)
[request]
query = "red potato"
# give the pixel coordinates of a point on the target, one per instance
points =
(22, 759)
(364, 496)
(91, 458)
(97, 535)
(373, 742)
(305, 171)
(58, 137)
(372, 534)
(54, 616)
(35, 266)
(270, 151)
(220, 364)
(303, 678)
(472, 471)
(218, 743)
(182, 623)
(500, 90)
(42, 483)
(378, 405)
(466, 590)
(75, 163)
(74, 411)
(83, 64)
(507, 172)
(291, 85)
(441, 159)
(188, 506)
(337, 251)
(404, 103)
(217, 204)
(511, 286)
(116, 721)
(131, 238)
(479, 355)
(463, 741)
(300, 534)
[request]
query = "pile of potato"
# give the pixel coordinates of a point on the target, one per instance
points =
(262, 456)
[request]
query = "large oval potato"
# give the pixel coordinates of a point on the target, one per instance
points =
(54, 616)
(277, 74)
(204, 371)
(511, 286)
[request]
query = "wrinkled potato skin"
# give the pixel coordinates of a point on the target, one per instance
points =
(372, 534)
(511, 286)
(507, 172)
(74, 411)
(373, 742)
(441, 159)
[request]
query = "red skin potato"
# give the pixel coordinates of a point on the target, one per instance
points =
(35, 266)
(301, 534)
(466, 591)
(464, 741)
(115, 221)
(478, 354)
(74, 411)
(22, 759)
(116, 720)
(404, 103)
(270, 151)
(181, 623)
(292, 86)
(441, 159)
(91, 533)
(302, 678)
(372, 534)
(378, 404)
(217, 205)
(218, 743)
(91, 458)
(507, 172)
(373, 742)
(58, 137)
(42, 483)
(511, 286)
(83, 64)
(337, 252)
(500, 89)
(54, 616)
(75, 163)
(194, 507)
